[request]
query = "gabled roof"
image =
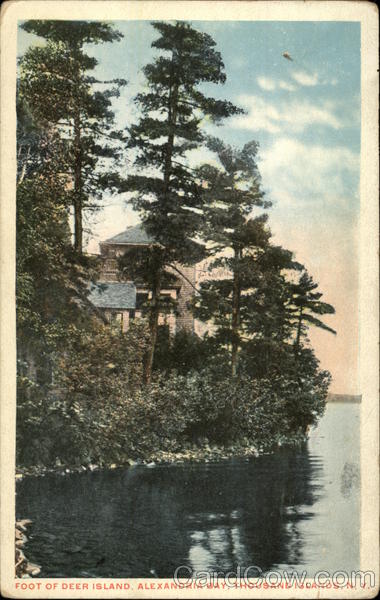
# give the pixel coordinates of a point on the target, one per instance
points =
(113, 295)
(132, 235)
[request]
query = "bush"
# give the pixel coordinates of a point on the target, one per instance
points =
(67, 420)
(184, 352)
(176, 411)
(98, 411)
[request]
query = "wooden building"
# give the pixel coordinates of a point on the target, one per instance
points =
(122, 300)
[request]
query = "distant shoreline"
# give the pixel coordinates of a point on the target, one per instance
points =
(344, 398)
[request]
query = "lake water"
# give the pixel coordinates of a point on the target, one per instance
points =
(295, 508)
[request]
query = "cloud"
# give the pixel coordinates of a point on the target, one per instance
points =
(284, 85)
(201, 155)
(266, 84)
(295, 116)
(306, 79)
(311, 79)
(302, 78)
(299, 172)
(269, 85)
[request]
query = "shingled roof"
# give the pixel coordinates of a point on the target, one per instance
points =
(132, 235)
(113, 295)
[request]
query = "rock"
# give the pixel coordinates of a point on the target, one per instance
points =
(20, 556)
(20, 536)
(21, 539)
(32, 569)
(22, 524)
(151, 465)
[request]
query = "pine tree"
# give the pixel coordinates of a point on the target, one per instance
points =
(50, 280)
(169, 197)
(233, 192)
(63, 96)
(239, 243)
(305, 303)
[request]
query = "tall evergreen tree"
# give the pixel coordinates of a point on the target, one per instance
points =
(50, 280)
(55, 81)
(240, 244)
(173, 107)
(304, 305)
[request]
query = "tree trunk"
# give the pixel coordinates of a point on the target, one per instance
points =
(299, 329)
(172, 120)
(235, 321)
(156, 287)
(78, 203)
(153, 327)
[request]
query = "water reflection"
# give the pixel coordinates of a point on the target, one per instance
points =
(145, 522)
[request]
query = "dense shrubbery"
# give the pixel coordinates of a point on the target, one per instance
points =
(184, 352)
(98, 412)
(70, 419)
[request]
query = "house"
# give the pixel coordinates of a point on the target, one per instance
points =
(122, 301)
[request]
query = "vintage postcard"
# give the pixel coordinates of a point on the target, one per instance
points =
(189, 299)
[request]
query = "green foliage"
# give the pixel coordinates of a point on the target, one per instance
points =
(141, 265)
(245, 294)
(76, 419)
(305, 303)
(171, 415)
(99, 358)
(64, 98)
(182, 353)
(255, 310)
(172, 111)
(177, 411)
(172, 108)
(50, 283)
(77, 32)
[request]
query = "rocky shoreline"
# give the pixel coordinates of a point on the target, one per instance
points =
(23, 567)
(192, 454)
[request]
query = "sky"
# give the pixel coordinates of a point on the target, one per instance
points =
(305, 114)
